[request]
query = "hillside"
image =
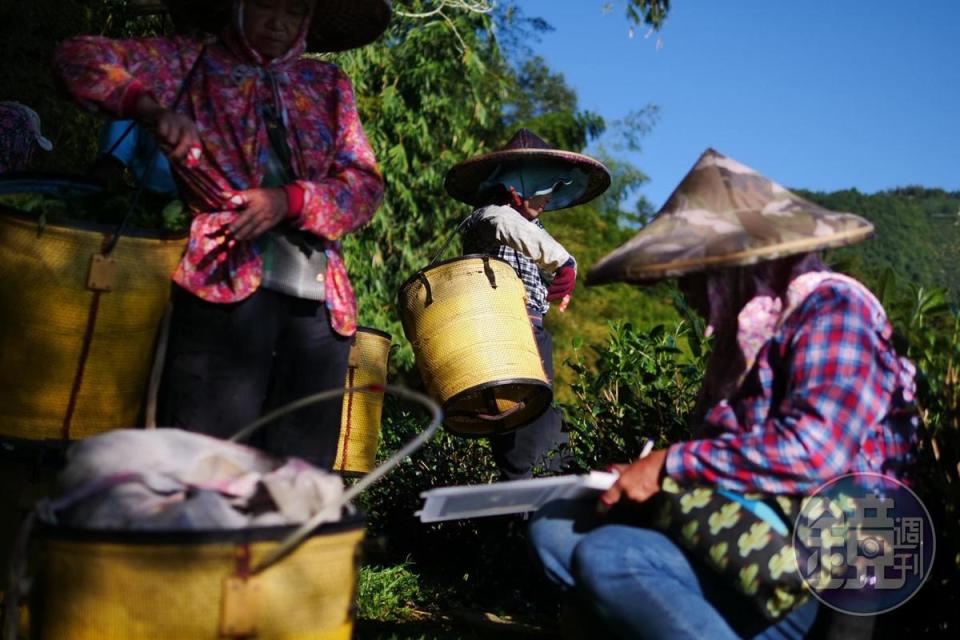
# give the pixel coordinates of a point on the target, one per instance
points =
(918, 237)
(918, 234)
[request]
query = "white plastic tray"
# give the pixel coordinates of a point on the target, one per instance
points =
(501, 498)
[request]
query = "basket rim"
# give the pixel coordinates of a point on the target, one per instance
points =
(94, 227)
(59, 533)
(80, 183)
(545, 388)
(376, 332)
(435, 265)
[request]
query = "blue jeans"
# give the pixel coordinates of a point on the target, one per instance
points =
(641, 585)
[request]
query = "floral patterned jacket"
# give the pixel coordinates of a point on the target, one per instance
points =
(339, 185)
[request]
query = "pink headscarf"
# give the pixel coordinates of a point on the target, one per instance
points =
(745, 307)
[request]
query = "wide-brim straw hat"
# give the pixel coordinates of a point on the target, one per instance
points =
(525, 148)
(338, 25)
(725, 214)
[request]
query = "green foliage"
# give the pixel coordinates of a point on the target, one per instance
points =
(927, 326)
(427, 102)
(445, 460)
(642, 385)
(588, 233)
(29, 33)
(652, 13)
(541, 100)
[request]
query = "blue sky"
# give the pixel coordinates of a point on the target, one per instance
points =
(818, 94)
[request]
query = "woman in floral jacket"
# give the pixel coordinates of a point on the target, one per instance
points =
(270, 157)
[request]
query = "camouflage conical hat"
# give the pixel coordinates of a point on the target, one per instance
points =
(726, 214)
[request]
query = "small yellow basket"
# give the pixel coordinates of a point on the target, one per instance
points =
(360, 421)
(467, 321)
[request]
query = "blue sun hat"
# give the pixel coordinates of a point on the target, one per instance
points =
(533, 168)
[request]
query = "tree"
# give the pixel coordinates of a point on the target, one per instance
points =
(649, 12)
(428, 100)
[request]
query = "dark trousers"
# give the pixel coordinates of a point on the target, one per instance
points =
(518, 452)
(227, 364)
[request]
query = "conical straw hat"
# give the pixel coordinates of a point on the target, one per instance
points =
(726, 214)
(338, 25)
(525, 149)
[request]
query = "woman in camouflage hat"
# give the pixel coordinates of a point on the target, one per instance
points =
(803, 385)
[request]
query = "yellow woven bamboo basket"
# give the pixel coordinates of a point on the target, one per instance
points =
(74, 361)
(474, 344)
(360, 421)
(96, 585)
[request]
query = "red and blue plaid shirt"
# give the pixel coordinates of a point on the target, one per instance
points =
(827, 396)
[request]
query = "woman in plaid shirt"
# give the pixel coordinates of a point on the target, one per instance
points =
(803, 385)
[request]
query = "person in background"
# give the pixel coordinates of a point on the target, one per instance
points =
(20, 136)
(273, 164)
(803, 385)
(125, 144)
(510, 189)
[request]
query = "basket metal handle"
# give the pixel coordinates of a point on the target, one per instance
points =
(296, 538)
(426, 285)
(446, 245)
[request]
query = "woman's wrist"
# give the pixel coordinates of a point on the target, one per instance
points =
(294, 195)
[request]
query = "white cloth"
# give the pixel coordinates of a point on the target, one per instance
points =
(171, 479)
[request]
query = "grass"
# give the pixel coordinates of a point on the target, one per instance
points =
(389, 593)
(394, 602)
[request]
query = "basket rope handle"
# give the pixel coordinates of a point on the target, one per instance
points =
(111, 241)
(488, 271)
(302, 532)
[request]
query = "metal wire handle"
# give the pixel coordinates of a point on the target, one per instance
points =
(8, 631)
(296, 538)
(446, 244)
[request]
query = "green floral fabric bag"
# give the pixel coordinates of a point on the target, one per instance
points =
(755, 554)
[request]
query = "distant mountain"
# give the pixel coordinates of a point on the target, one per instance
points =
(918, 234)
